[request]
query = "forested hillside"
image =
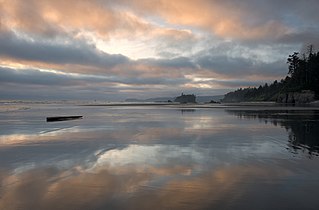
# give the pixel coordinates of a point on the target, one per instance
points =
(301, 84)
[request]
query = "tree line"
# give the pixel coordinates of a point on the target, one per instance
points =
(303, 74)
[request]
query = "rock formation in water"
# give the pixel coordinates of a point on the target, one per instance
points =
(191, 98)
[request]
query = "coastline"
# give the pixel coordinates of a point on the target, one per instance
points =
(21, 105)
(242, 105)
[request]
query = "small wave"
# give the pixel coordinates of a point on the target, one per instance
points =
(10, 108)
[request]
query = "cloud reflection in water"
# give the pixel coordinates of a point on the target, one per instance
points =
(206, 159)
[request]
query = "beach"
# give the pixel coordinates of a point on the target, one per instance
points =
(159, 156)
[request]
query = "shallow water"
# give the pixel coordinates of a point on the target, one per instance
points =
(158, 158)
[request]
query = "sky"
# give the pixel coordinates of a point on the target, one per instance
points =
(113, 50)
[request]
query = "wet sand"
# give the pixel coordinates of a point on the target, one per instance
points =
(155, 156)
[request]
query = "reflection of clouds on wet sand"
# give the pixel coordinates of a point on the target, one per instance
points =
(126, 187)
(154, 159)
(155, 146)
(150, 157)
(76, 191)
(151, 177)
(42, 136)
(198, 158)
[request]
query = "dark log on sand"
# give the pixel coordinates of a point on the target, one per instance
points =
(63, 118)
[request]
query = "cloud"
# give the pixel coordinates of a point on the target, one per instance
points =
(248, 20)
(78, 56)
(227, 19)
(47, 84)
(95, 74)
(71, 52)
(34, 83)
(245, 20)
(53, 17)
(305, 37)
(34, 77)
(241, 67)
(177, 63)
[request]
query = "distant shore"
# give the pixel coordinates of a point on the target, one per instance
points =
(242, 105)
(21, 106)
(131, 104)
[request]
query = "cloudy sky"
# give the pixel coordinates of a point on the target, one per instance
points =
(112, 50)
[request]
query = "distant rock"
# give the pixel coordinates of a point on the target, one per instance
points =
(208, 99)
(214, 102)
(191, 98)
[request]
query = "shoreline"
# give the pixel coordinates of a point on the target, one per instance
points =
(232, 106)
(227, 106)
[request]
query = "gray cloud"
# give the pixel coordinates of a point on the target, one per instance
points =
(36, 84)
(303, 37)
(153, 81)
(301, 17)
(178, 62)
(76, 52)
(36, 77)
(241, 67)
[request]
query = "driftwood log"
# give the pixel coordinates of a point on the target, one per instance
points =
(63, 118)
